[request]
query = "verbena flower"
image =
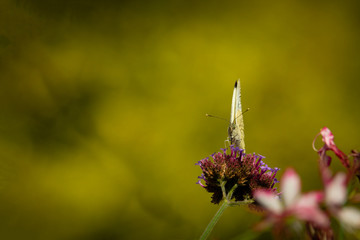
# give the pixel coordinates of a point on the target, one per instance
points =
(237, 173)
(292, 203)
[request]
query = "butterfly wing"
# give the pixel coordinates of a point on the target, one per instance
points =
(236, 128)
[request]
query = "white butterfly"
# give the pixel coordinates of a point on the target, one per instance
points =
(236, 127)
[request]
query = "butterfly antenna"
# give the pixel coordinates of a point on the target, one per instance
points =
(245, 111)
(242, 114)
(209, 115)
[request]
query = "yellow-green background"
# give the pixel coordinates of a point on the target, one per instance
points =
(103, 103)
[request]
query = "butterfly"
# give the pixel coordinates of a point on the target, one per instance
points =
(236, 127)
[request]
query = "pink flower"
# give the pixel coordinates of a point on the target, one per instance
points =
(328, 139)
(304, 207)
(335, 198)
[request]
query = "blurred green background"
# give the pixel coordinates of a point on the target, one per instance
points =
(103, 107)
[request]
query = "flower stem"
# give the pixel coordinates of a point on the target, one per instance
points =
(214, 220)
(231, 192)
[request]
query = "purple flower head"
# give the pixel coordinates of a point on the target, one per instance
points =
(247, 172)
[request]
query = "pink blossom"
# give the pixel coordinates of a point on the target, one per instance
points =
(328, 139)
(303, 206)
(336, 197)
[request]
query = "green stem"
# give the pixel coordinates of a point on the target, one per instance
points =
(222, 185)
(214, 220)
(231, 192)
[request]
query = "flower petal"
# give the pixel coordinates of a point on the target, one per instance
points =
(307, 208)
(311, 199)
(268, 200)
(312, 214)
(335, 190)
(328, 139)
(350, 216)
(290, 186)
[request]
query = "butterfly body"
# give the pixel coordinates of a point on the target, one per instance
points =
(236, 127)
